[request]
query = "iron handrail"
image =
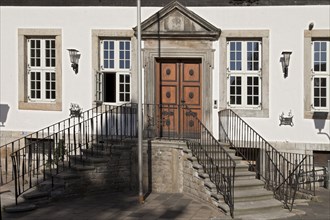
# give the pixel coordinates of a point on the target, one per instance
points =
(284, 190)
(45, 157)
(7, 175)
(161, 122)
(252, 147)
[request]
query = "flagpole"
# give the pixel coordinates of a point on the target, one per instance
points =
(139, 73)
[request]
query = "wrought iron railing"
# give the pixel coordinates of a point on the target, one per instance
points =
(277, 170)
(49, 151)
(181, 122)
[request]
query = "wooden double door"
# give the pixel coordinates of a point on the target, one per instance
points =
(179, 95)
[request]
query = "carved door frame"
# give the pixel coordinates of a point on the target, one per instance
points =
(199, 51)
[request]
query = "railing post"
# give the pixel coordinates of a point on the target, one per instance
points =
(328, 176)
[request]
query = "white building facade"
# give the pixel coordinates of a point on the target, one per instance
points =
(236, 49)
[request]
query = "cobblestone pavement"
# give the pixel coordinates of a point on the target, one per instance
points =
(125, 206)
(317, 209)
(122, 206)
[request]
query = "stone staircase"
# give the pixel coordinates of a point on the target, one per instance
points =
(108, 168)
(251, 199)
(105, 168)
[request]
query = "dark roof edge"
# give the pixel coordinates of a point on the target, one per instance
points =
(161, 3)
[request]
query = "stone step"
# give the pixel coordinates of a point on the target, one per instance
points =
(96, 152)
(252, 195)
(79, 167)
(248, 184)
(221, 160)
(268, 214)
(89, 160)
(48, 185)
(34, 195)
(245, 175)
(23, 207)
(258, 206)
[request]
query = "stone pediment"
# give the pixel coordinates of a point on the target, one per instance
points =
(175, 21)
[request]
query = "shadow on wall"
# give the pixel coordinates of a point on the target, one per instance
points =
(4, 109)
(319, 121)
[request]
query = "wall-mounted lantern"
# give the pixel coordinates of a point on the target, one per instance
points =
(74, 59)
(285, 60)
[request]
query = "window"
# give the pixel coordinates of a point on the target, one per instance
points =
(243, 73)
(41, 61)
(113, 81)
(317, 74)
(40, 75)
(320, 75)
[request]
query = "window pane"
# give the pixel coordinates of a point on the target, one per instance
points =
(256, 80)
(232, 66)
(127, 97)
(232, 100)
(239, 66)
(323, 92)
(239, 100)
(249, 80)
(323, 46)
(249, 46)
(323, 82)
(323, 56)
(316, 46)
(249, 102)
(316, 102)
(239, 56)
(256, 100)
(239, 90)
(316, 92)
(239, 80)
(121, 65)
(316, 82)
(323, 102)
(256, 91)
(249, 92)
(232, 46)
(232, 90)
(128, 55)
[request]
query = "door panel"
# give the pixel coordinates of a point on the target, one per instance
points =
(177, 82)
(168, 95)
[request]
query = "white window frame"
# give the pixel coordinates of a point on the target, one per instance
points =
(322, 75)
(23, 91)
(117, 70)
(244, 73)
(42, 69)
